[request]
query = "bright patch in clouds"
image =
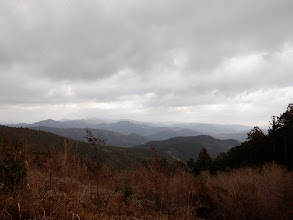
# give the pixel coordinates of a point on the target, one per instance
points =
(244, 64)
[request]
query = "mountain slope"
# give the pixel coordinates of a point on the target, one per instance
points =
(40, 141)
(173, 132)
(152, 132)
(113, 138)
(214, 128)
(187, 147)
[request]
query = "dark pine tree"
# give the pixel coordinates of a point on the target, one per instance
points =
(204, 161)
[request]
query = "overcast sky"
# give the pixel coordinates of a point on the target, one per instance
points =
(227, 62)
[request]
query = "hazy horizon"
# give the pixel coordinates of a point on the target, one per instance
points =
(109, 120)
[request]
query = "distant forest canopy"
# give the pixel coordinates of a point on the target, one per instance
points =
(276, 146)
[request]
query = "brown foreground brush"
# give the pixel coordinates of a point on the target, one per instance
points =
(152, 193)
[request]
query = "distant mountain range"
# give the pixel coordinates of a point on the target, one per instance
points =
(181, 141)
(129, 133)
(183, 148)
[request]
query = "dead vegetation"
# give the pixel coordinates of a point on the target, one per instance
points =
(151, 192)
(62, 186)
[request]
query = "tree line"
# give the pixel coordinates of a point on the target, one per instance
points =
(258, 149)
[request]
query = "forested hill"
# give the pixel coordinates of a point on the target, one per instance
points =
(39, 142)
(113, 138)
(184, 148)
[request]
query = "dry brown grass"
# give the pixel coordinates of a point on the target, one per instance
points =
(247, 193)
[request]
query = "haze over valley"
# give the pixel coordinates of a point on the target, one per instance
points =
(147, 131)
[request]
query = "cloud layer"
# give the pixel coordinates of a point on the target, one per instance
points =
(193, 61)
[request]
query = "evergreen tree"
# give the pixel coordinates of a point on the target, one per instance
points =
(281, 136)
(191, 163)
(204, 161)
(255, 135)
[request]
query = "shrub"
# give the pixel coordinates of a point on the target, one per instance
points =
(13, 169)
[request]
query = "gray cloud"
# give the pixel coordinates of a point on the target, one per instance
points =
(177, 58)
